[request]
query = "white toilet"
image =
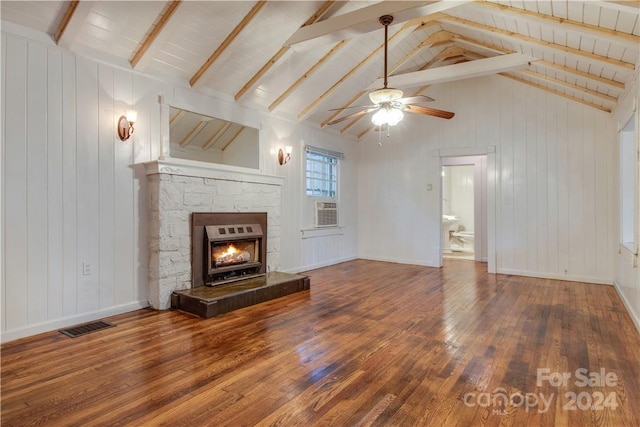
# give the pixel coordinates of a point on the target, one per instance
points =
(462, 241)
(449, 225)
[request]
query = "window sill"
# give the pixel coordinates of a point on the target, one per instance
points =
(308, 233)
(629, 247)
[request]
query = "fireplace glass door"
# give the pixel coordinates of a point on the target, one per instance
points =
(232, 252)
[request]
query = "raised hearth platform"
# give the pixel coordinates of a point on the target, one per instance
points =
(206, 302)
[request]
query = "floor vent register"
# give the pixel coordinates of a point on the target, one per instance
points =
(86, 328)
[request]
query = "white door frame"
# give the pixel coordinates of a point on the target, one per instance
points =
(492, 191)
(479, 165)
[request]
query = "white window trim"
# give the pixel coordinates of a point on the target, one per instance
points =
(328, 153)
(631, 247)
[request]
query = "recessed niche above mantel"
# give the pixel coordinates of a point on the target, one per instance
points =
(195, 136)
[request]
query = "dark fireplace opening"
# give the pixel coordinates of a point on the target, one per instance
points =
(227, 247)
(232, 252)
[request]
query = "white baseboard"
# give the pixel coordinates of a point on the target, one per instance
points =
(309, 267)
(584, 279)
(400, 261)
(52, 325)
(627, 305)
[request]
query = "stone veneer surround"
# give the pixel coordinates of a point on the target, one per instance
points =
(179, 187)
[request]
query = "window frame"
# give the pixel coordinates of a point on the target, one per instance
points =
(327, 165)
(629, 157)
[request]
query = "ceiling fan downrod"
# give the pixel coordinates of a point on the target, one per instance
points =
(385, 20)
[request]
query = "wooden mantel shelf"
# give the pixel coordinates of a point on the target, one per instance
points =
(194, 168)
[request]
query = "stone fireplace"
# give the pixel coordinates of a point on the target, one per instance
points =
(180, 188)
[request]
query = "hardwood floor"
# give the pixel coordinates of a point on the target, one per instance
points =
(372, 343)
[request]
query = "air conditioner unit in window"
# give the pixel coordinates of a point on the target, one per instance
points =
(326, 214)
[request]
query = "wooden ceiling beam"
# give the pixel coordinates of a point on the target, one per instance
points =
(65, 20)
(555, 92)
(566, 84)
(598, 32)
(225, 44)
(597, 79)
(509, 35)
(144, 45)
(442, 43)
(366, 19)
(426, 21)
(451, 52)
(435, 38)
(491, 65)
(306, 75)
(284, 49)
(541, 62)
(571, 86)
(72, 21)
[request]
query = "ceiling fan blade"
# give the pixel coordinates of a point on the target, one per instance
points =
(353, 115)
(418, 109)
(353, 106)
(414, 99)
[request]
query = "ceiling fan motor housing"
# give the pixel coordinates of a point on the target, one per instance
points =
(385, 95)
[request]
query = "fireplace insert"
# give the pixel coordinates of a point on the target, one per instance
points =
(228, 246)
(232, 252)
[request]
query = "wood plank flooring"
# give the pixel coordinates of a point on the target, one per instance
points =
(372, 343)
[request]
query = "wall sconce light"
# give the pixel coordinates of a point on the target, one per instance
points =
(125, 124)
(282, 159)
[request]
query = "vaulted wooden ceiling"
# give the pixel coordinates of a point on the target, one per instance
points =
(300, 59)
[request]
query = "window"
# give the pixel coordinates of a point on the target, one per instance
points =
(322, 172)
(628, 183)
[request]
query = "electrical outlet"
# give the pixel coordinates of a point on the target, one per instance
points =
(86, 269)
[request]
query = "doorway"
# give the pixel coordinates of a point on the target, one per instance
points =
(464, 208)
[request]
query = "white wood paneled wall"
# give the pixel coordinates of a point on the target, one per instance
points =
(627, 267)
(554, 209)
(300, 254)
(71, 195)
(74, 194)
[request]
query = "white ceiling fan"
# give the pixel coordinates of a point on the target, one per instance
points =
(388, 103)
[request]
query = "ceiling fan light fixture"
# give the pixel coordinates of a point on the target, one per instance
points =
(387, 115)
(394, 116)
(383, 95)
(380, 117)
